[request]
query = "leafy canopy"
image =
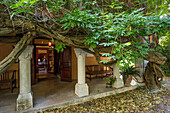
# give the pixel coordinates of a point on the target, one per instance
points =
(105, 27)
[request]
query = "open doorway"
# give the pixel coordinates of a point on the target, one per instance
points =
(49, 63)
(44, 61)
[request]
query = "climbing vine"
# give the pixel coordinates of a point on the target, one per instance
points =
(118, 29)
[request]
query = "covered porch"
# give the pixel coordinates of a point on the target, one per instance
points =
(51, 93)
(55, 93)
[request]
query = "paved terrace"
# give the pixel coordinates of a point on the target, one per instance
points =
(50, 92)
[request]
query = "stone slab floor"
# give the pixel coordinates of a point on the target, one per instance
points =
(51, 92)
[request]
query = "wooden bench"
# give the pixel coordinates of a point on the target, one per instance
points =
(8, 80)
(95, 70)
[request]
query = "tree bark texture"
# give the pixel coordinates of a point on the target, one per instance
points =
(153, 74)
(19, 48)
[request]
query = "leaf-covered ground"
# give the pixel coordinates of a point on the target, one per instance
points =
(139, 100)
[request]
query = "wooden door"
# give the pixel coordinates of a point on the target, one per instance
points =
(56, 62)
(66, 65)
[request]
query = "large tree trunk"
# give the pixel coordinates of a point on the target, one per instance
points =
(153, 74)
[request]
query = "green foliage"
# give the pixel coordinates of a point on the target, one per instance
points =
(116, 5)
(21, 6)
(78, 18)
(104, 28)
(60, 47)
(159, 7)
(165, 44)
(110, 80)
(55, 5)
(130, 71)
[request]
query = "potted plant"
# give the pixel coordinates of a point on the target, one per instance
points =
(128, 74)
(109, 81)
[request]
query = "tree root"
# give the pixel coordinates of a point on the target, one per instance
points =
(153, 76)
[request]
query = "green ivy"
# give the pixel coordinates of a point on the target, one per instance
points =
(60, 47)
(108, 26)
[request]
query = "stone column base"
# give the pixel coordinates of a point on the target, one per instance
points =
(24, 101)
(118, 83)
(81, 90)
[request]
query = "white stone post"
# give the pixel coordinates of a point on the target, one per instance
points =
(81, 88)
(119, 82)
(141, 67)
(25, 98)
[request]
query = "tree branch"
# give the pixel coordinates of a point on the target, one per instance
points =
(19, 48)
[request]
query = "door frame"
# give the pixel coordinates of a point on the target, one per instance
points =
(35, 58)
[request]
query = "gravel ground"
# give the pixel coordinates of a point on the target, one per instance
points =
(140, 100)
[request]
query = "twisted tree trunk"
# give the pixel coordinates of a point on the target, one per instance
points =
(19, 48)
(153, 74)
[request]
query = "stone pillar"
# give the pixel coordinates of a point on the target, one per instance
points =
(25, 98)
(119, 82)
(144, 64)
(81, 88)
(141, 68)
